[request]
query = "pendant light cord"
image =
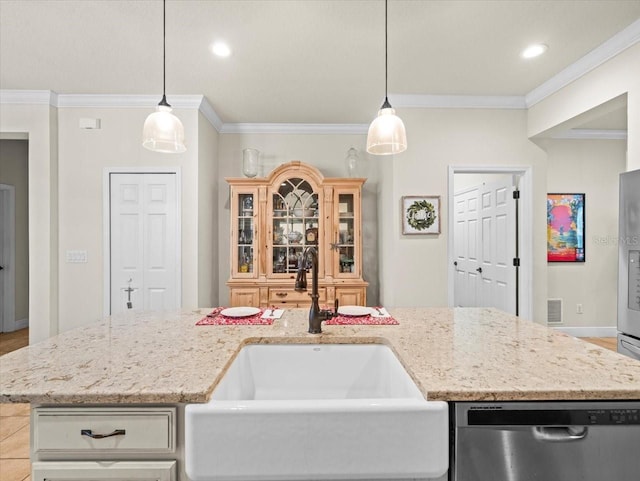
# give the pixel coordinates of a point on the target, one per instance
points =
(164, 55)
(386, 69)
(386, 104)
(164, 46)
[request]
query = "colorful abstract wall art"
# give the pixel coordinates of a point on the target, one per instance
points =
(565, 228)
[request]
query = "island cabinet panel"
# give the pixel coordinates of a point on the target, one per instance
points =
(103, 430)
(276, 218)
(104, 443)
(100, 471)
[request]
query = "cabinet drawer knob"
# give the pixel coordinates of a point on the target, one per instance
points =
(89, 433)
(281, 294)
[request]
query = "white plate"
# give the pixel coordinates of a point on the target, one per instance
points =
(354, 310)
(239, 311)
(299, 199)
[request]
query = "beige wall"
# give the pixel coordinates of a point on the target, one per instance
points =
(208, 274)
(412, 269)
(415, 267)
(591, 167)
(84, 156)
(327, 153)
(14, 161)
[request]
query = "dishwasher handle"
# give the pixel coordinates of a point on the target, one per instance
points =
(559, 434)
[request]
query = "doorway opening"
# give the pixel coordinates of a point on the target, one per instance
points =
(14, 234)
(490, 249)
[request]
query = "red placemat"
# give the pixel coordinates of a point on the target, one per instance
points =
(214, 318)
(361, 320)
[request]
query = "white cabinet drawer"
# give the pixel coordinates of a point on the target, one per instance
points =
(104, 430)
(105, 471)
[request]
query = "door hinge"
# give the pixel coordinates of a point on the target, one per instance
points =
(516, 262)
(516, 194)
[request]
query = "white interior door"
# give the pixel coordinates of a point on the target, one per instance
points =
(484, 246)
(498, 242)
(144, 238)
(7, 258)
(3, 233)
(466, 244)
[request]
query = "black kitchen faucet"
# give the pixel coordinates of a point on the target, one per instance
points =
(316, 315)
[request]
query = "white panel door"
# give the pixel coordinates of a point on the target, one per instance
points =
(497, 214)
(7, 258)
(4, 233)
(144, 229)
(484, 246)
(466, 254)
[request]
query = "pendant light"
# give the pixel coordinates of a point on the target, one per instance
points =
(163, 131)
(386, 135)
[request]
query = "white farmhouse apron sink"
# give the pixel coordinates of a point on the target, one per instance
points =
(316, 411)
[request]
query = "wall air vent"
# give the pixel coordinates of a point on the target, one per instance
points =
(554, 311)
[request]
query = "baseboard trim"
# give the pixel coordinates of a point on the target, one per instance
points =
(603, 331)
(22, 323)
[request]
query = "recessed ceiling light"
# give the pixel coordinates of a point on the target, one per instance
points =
(534, 50)
(221, 49)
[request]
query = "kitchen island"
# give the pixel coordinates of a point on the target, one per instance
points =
(157, 360)
(452, 354)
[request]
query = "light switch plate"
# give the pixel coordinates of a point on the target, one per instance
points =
(76, 257)
(89, 124)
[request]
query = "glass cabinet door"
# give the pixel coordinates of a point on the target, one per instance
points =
(295, 224)
(347, 257)
(243, 235)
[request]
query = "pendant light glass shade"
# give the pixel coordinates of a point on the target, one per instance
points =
(163, 131)
(387, 134)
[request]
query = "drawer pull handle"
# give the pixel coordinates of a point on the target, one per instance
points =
(281, 294)
(89, 433)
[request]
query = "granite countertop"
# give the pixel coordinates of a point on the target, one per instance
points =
(452, 354)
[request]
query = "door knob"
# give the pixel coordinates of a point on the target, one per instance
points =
(1, 268)
(455, 263)
(479, 269)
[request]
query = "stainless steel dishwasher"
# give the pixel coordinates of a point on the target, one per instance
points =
(546, 441)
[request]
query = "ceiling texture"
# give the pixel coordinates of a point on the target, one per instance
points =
(298, 61)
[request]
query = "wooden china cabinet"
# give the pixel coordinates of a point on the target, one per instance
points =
(274, 219)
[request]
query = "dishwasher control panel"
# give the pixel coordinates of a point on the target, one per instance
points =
(551, 417)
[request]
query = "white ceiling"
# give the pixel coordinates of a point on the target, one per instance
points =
(298, 61)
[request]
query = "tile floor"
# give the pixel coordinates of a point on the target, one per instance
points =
(14, 442)
(14, 418)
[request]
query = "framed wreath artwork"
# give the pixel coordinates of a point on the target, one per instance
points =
(420, 214)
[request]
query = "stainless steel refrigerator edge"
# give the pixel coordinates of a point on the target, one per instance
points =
(629, 265)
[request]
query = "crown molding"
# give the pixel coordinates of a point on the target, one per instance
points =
(207, 111)
(127, 101)
(591, 134)
(426, 101)
(32, 97)
(615, 45)
(282, 128)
